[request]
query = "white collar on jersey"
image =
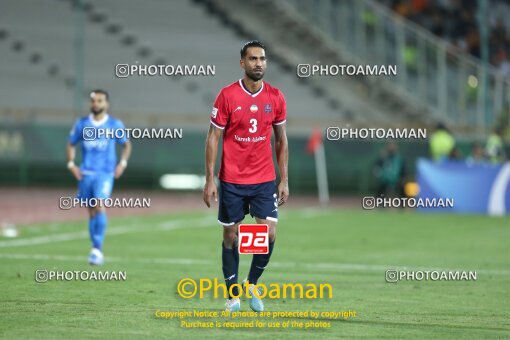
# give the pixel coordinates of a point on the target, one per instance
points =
(251, 94)
(98, 122)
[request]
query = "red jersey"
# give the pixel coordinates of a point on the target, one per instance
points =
(247, 120)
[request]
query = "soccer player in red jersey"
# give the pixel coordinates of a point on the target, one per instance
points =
(246, 112)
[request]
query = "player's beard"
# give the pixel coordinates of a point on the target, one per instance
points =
(97, 111)
(253, 76)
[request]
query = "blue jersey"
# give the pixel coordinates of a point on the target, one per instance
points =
(98, 150)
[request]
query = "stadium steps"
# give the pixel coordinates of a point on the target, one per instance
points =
(187, 34)
(52, 36)
(125, 32)
(292, 39)
(34, 77)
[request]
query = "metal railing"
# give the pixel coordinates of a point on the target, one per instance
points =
(455, 86)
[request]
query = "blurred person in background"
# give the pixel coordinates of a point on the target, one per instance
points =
(495, 147)
(455, 154)
(477, 154)
(98, 168)
(441, 143)
(390, 172)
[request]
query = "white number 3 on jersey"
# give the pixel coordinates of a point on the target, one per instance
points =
(253, 123)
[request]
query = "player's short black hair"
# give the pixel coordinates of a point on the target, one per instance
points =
(253, 43)
(103, 92)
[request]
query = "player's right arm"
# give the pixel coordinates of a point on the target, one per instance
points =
(211, 153)
(219, 120)
(75, 136)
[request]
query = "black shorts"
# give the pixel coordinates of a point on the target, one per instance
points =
(237, 200)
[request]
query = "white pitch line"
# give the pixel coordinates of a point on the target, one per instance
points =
(163, 226)
(44, 239)
(167, 225)
(331, 267)
(195, 223)
(65, 258)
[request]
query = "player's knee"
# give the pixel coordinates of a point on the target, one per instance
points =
(272, 235)
(272, 231)
(229, 237)
(92, 212)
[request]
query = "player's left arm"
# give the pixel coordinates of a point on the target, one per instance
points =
(282, 157)
(124, 158)
(125, 153)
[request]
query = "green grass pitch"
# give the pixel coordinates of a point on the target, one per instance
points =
(348, 249)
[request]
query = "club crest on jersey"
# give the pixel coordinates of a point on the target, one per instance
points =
(254, 108)
(267, 108)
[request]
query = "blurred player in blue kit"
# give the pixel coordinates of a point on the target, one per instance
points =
(99, 166)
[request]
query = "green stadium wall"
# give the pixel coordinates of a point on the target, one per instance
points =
(34, 155)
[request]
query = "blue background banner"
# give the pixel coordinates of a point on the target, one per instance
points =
(475, 188)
